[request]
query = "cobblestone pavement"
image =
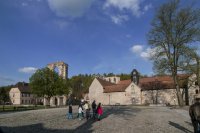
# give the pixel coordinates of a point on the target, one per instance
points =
(118, 119)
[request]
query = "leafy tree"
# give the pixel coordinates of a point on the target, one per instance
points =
(124, 76)
(4, 97)
(47, 83)
(80, 84)
(173, 30)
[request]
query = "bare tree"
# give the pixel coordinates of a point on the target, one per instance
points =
(173, 30)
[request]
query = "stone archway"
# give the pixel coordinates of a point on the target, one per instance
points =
(62, 68)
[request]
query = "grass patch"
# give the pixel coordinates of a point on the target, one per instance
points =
(8, 108)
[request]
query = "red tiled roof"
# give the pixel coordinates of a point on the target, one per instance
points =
(149, 83)
(124, 81)
(161, 82)
(111, 87)
(116, 88)
(104, 82)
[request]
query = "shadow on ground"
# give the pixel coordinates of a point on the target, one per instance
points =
(183, 129)
(86, 127)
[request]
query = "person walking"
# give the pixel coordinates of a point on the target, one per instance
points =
(99, 111)
(70, 114)
(94, 109)
(80, 111)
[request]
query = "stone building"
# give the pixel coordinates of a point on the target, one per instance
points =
(123, 92)
(149, 90)
(21, 95)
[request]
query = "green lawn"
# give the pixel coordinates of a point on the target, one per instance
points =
(20, 108)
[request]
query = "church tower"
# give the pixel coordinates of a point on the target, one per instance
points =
(135, 76)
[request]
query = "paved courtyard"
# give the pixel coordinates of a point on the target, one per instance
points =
(122, 119)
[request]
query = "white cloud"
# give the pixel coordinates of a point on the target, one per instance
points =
(147, 7)
(143, 53)
(119, 18)
(27, 69)
(132, 5)
(135, 7)
(147, 53)
(137, 49)
(69, 8)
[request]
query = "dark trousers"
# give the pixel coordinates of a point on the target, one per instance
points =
(87, 113)
(94, 113)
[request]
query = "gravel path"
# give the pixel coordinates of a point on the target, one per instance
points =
(122, 119)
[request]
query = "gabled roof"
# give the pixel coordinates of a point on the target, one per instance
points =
(104, 82)
(111, 87)
(162, 82)
(24, 89)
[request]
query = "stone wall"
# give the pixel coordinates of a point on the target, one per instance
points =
(166, 97)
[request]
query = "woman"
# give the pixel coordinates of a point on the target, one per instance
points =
(99, 112)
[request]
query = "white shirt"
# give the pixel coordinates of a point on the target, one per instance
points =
(80, 110)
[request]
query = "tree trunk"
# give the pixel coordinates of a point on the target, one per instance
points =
(198, 72)
(186, 96)
(178, 92)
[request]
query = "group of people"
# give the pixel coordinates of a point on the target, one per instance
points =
(84, 108)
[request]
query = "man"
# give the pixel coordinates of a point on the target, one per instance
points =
(94, 106)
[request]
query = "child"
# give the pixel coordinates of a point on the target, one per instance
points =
(80, 110)
(99, 111)
(70, 116)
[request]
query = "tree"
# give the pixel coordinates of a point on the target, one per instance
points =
(3, 96)
(173, 30)
(47, 83)
(80, 84)
(192, 64)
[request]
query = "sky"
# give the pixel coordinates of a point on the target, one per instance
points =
(91, 36)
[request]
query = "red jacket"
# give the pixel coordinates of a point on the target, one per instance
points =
(100, 111)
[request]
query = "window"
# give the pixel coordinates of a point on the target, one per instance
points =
(22, 101)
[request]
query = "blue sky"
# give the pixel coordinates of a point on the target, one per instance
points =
(91, 36)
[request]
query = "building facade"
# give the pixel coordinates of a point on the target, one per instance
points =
(21, 95)
(123, 93)
(149, 90)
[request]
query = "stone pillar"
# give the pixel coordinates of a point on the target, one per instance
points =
(64, 100)
(58, 102)
(52, 101)
(46, 102)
